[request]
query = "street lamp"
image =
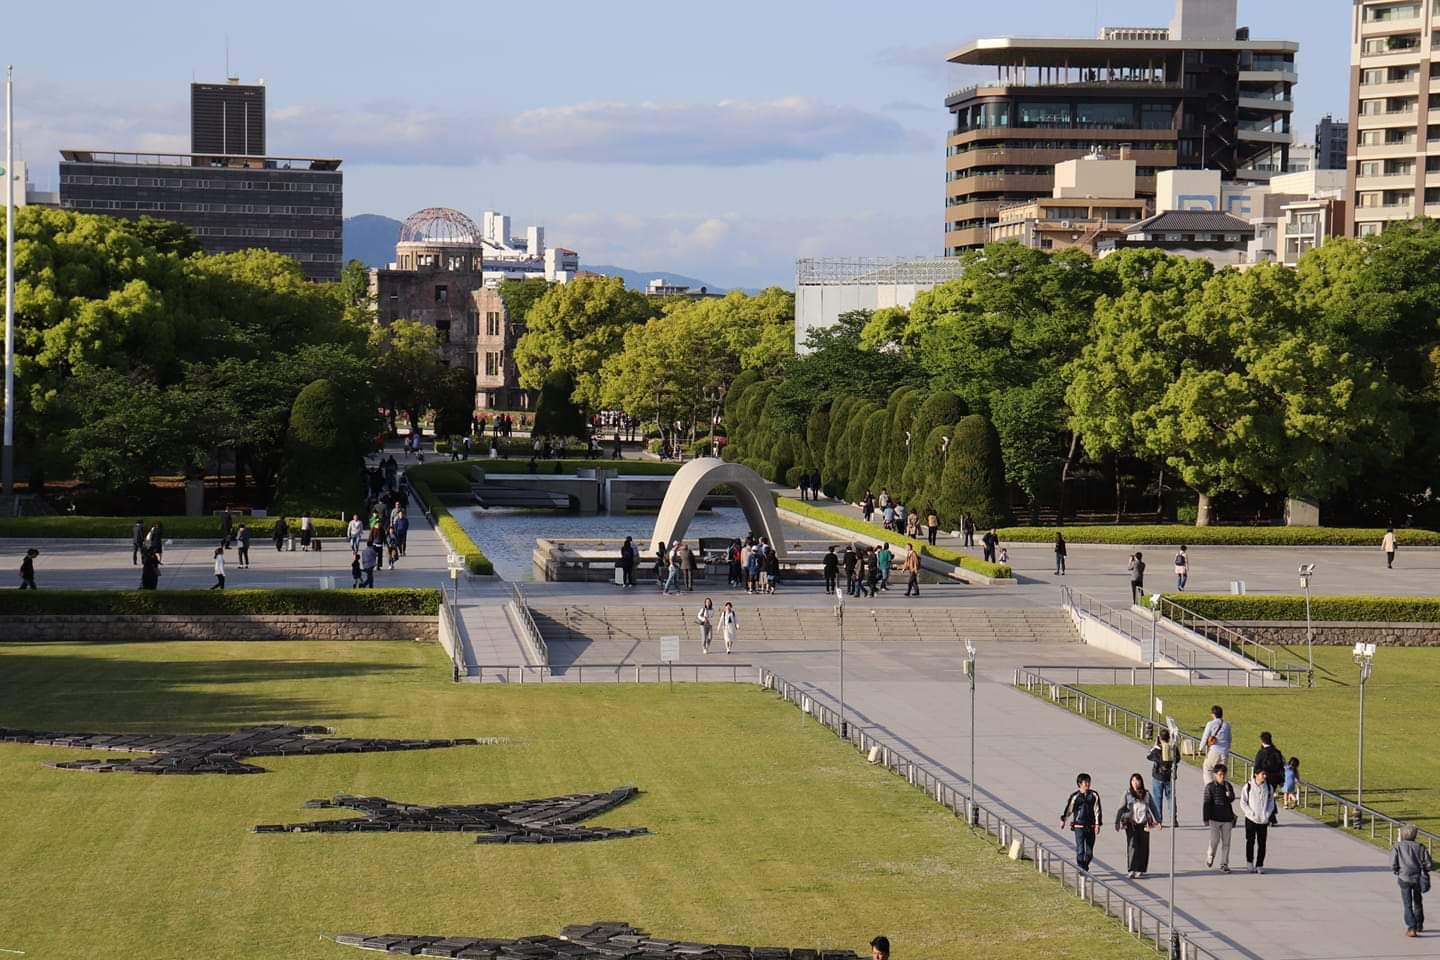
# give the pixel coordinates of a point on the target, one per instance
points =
(1307, 570)
(1364, 655)
(970, 672)
(840, 620)
(1174, 831)
(454, 563)
(1154, 644)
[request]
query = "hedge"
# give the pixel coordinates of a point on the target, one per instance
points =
(1172, 534)
(997, 571)
(388, 602)
(176, 528)
(1291, 608)
(450, 529)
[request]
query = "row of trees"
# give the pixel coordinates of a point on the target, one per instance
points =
(1280, 381)
(137, 355)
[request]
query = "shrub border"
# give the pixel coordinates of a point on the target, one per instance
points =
(176, 528)
(380, 602)
(1290, 608)
(1163, 534)
(995, 571)
(451, 531)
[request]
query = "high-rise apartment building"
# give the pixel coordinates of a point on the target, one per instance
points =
(227, 118)
(1393, 171)
(1198, 94)
(1332, 143)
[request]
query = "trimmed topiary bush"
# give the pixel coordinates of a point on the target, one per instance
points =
(556, 413)
(973, 481)
(942, 409)
(323, 455)
(896, 456)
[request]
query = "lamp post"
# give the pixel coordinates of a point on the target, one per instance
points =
(1306, 571)
(840, 620)
(7, 454)
(1174, 831)
(973, 818)
(1364, 655)
(454, 563)
(1154, 644)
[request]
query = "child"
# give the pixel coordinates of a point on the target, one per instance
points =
(355, 571)
(1004, 554)
(1292, 777)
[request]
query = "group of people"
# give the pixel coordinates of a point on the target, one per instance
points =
(378, 539)
(147, 548)
(706, 617)
(1136, 568)
(868, 569)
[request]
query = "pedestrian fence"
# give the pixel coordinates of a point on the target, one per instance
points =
(1138, 674)
(1052, 861)
(618, 673)
(1327, 806)
(527, 623)
(1277, 660)
(450, 636)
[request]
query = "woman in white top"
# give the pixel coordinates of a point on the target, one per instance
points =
(727, 626)
(1257, 802)
(705, 617)
(219, 569)
(1387, 543)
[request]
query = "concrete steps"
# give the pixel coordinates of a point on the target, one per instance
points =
(628, 625)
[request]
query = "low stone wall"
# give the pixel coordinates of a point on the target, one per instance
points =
(1342, 634)
(141, 628)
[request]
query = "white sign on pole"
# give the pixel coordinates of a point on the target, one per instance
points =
(669, 649)
(1159, 705)
(1147, 650)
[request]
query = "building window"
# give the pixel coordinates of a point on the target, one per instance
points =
(1371, 168)
(442, 293)
(1105, 116)
(1392, 11)
(1155, 116)
(492, 364)
(492, 323)
(1044, 115)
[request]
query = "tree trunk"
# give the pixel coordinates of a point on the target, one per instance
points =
(1160, 493)
(1065, 478)
(1202, 511)
(1115, 472)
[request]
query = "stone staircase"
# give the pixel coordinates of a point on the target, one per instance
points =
(618, 628)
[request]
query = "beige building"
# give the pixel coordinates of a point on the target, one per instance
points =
(1394, 164)
(1093, 200)
(497, 380)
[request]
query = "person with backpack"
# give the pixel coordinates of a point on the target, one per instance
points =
(1412, 864)
(1216, 741)
(1136, 818)
(728, 626)
(1083, 816)
(1257, 802)
(932, 523)
(1162, 759)
(1218, 812)
(1272, 761)
(1137, 576)
(1182, 568)
(705, 616)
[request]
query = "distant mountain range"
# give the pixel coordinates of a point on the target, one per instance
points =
(370, 238)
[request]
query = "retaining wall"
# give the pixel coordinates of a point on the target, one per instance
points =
(141, 628)
(1342, 634)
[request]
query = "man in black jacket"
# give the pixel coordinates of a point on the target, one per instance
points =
(852, 558)
(1083, 816)
(832, 570)
(1219, 813)
(1272, 761)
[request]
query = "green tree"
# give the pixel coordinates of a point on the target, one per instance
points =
(557, 415)
(940, 409)
(453, 400)
(520, 295)
(408, 368)
(166, 236)
(322, 465)
(573, 327)
(901, 408)
(929, 456)
(852, 451)
(867, 457)
(835, 365)
(973, 481)
(817, 432)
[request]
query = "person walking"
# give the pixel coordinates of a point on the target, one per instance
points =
(1257, 802)
(1137, 576)
(627, 563)
(672, 578)
(1387, 544)
(307, 531)
(1216, 740)
(1136, 818)
(988, 545)
(401, 526)
(851, 560)
(242, 542)
(356, 576)
(137, 541)
(226, 523)
(1182, 568)
(1162, 771)
(219, 568)
(1082, 815)
(911, 568)
(1059, 554)
(369, 557)
(662, 565)
(737, 570)
(872, 574)
(804, 485)
(687, 566)
(867, 506)
(1218, 812)
(1272, 761)
(967, 530)
(728, 626)
(158, 531)
(149, 570)
(832, 569)
(353, 529)
(772, 569)
(705, 616)
(932, 523)
(1411, 863)
(27, 569)
(1290, 790)
(886, 559)
(279, 532)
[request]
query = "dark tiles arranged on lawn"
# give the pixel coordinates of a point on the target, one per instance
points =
(548, 820)
(602, 940)
(215, 752)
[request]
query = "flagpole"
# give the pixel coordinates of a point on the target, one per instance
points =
(7, 457)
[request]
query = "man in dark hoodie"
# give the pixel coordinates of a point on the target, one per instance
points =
(1083, 816)
(1272, 761)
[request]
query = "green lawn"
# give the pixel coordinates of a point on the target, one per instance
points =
(766, 828)
(1321, 725)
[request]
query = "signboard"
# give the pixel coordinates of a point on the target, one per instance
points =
(669, 649)
(1159, 706)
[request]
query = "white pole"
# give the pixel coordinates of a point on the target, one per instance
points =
(7, 458)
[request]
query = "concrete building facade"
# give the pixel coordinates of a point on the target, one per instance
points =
(1394, 164)
(1093, 201)
(1332, 143)
(497, 379)
(827, 288)
(1198, 94)
(508, 257)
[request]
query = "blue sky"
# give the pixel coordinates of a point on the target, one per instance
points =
(721, 143)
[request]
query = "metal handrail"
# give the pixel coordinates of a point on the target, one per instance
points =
(1131, 626)
(1132, 675)
(450, 611)
(527, 621)
(1143, 728)
(620, 672)
(1052, 861)
(1228, 637)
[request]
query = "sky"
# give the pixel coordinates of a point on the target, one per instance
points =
(718, 141)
